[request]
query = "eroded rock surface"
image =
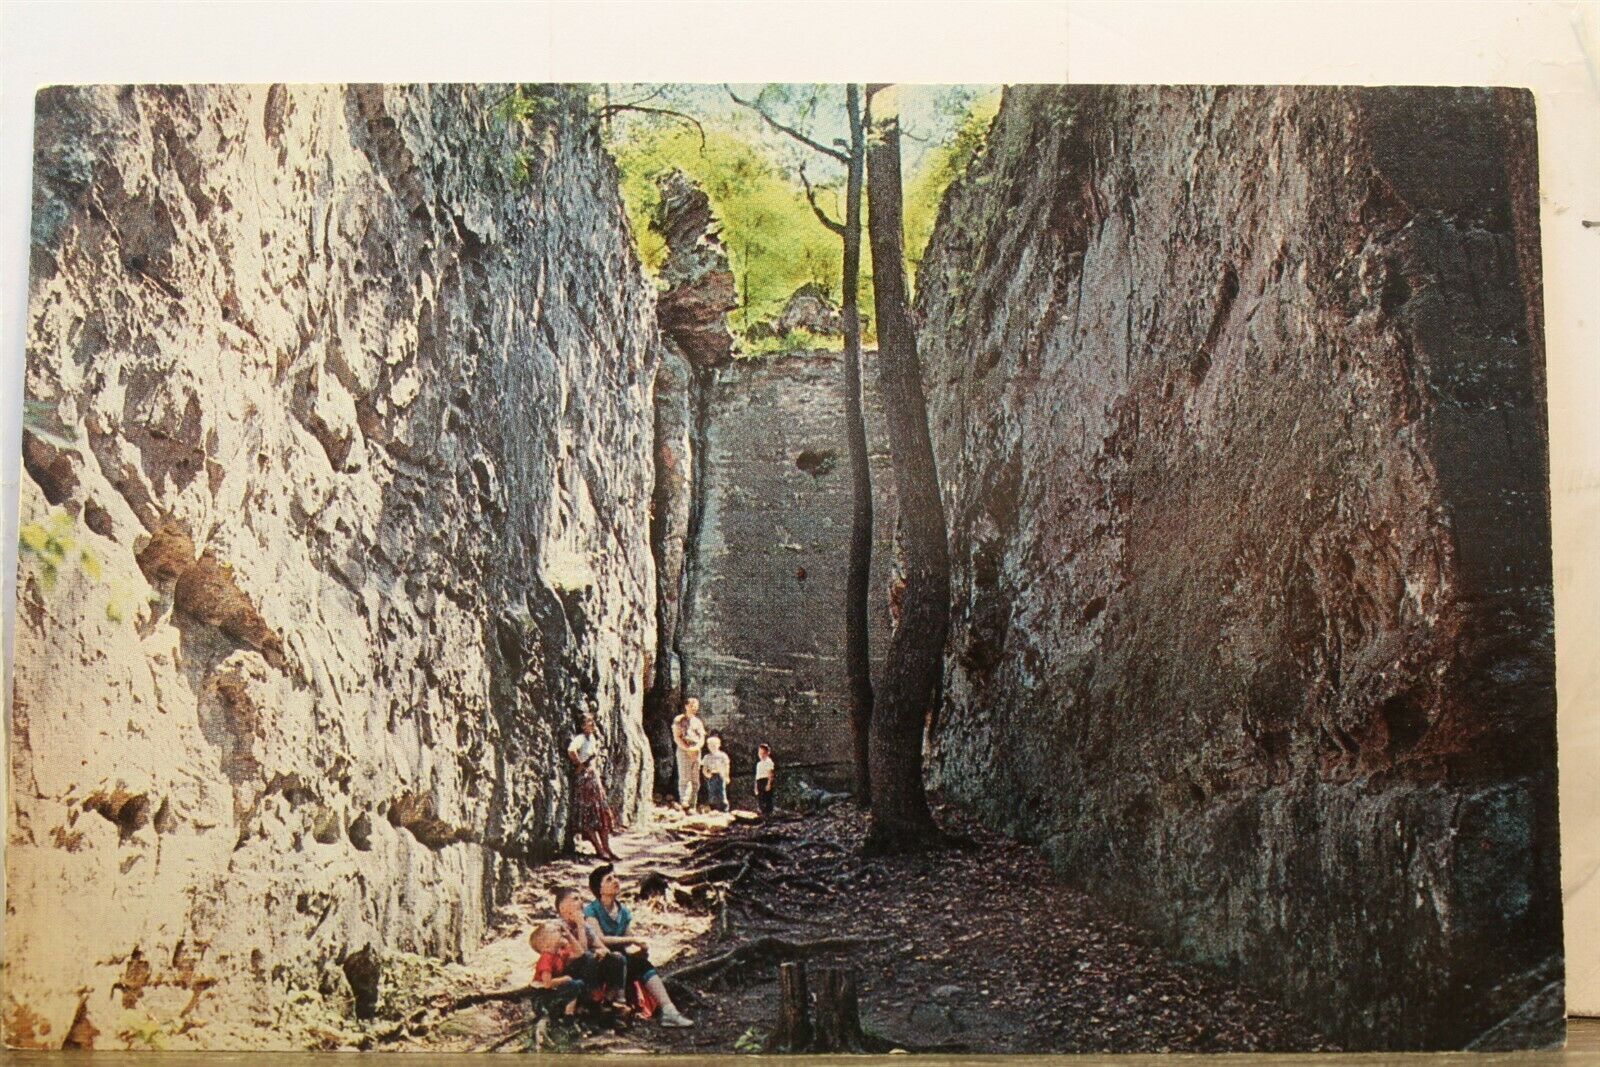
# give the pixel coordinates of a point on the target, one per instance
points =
(362, 445)
(764, 630)
(1239, 410)
(699, 281)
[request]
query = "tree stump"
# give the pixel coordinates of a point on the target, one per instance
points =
(794, 1010)
(837, 1025)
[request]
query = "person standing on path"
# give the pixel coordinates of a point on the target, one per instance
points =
(766, 779)
(688, 735)
(718, 772)
(595, 821)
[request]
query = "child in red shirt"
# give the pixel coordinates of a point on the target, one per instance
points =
(556, 949)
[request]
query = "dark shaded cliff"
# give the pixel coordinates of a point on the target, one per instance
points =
(1238, 403)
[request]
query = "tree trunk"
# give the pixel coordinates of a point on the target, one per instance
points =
(794, 1010)
(857, 658)
(838, 1018)
(911, 673)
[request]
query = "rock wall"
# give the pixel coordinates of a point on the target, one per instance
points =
(1238, 403)
(692, 310)
(763, 642)
(354, 391)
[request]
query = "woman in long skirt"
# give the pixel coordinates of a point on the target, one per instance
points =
(595, 820)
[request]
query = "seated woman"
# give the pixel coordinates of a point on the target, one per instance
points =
(609, 919)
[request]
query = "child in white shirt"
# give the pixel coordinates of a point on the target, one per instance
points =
(766, 779)
(718, 772)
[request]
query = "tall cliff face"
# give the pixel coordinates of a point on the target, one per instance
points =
(1239, 411)
(363, 447)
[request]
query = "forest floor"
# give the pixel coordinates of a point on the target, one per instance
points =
(980, 949)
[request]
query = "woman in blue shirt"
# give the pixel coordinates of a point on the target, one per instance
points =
(610, 919)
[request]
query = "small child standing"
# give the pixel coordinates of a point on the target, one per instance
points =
(766, 779)
(718, 772)
(556, 949)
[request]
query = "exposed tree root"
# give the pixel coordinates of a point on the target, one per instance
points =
(902, 840)
(717, 872)
(432, 1015)
(760, 907)
(773, 949)
(725, 845)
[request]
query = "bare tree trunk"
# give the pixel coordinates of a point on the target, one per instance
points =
(794, 1009)
(910, 682)
(838, 1019)
(857, 655)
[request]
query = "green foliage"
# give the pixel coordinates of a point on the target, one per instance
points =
(751, 175)
(527, 104)
(942, 165)
(146, 1032)
(801, 340)
(753, 1041)
(521, 167)
(775, 243)
(523, 108)
(53, 546)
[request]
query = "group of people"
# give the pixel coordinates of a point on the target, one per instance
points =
(700, 759)
(587, 955)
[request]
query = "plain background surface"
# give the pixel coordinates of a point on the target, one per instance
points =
(1552, 47)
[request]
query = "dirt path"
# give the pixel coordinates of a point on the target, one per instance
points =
(505, 962)
(989, 951)
(981, 950)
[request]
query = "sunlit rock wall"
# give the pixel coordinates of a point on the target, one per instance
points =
(1238, 402)
(345, 392)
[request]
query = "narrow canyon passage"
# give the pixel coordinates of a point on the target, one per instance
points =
(380, 435)
(980, 949)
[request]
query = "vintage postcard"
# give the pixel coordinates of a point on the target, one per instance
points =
(784, 568)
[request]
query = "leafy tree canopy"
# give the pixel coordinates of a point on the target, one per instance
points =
(755, 176)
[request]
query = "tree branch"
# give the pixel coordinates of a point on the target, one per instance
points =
(833, 153)
(612, 109)
(811, 198)
(643, 99)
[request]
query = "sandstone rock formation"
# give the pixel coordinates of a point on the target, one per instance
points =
(763, 635)
(360, 382)
(699, 283)
(696, 343)
(1239, 410)
(810, 309)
